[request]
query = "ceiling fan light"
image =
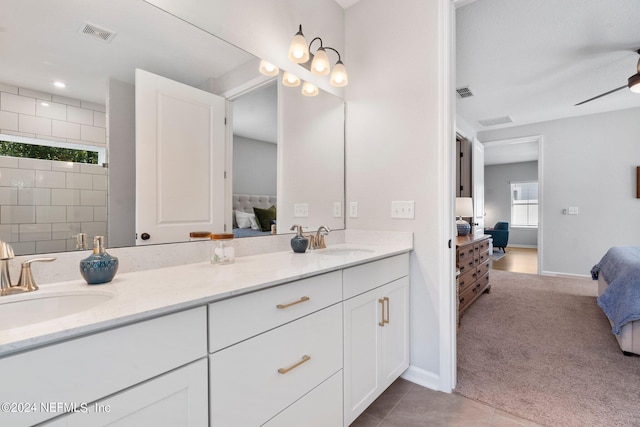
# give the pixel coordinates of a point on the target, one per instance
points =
(268, 69)
(634, 83)
(339, 76)
(320, 64)
(309, 89)
(290, 80)
(298, 49)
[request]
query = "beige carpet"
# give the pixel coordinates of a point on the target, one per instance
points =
(540, 348)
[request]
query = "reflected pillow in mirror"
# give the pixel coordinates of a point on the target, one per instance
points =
(246, 220)
(265, 217)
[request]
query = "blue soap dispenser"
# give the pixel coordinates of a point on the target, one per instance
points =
(99, 267)
(299, 243)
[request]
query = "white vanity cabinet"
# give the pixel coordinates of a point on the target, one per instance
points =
(285, 356)
(376, 330)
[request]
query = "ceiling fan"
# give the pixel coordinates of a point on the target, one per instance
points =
(633, 84)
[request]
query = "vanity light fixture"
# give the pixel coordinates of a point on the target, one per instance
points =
(290, 80)
(317, 63)
(268, 69)
(309, 89)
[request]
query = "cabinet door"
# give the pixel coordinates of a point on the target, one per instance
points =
(394, 344)
(178, 398)
(362, 315)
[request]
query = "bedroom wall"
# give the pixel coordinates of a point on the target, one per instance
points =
(588, 162)
(497, 198)
(254, 166)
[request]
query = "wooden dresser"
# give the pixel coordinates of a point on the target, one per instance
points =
(472, 261)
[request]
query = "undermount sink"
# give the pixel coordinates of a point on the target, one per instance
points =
(344, 251)
(29, 308)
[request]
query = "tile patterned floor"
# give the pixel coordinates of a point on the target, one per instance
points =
(405, 404)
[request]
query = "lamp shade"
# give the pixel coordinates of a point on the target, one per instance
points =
(464, 207)
(309, 89)
(634, 83)
(320, 64)
(268, 69)
(339, 75)
(290, 80)
(298, 49)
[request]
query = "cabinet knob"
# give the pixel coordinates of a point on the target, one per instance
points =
(145, 236)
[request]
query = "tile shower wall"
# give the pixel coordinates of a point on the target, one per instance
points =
(43, 203)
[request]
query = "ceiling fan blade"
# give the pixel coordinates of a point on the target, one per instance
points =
(601, 95)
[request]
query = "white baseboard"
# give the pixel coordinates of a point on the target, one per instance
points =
(522, 246)
(422, 377)
(557, 274)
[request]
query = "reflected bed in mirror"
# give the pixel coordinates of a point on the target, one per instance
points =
(39, 48)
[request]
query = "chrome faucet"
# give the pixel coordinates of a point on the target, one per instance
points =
(25, 282)
(318, 241)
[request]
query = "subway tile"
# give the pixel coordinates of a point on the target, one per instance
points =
(51, 246)
(34, 94)
(93, 169)
(94, 229)
(50, 137)
(80, 115)
(65, 166)
(9, 233)
(8, 196)
(100, 119)
(8, 88)
(35, 232)
(79, 180)
(65, 129)
(65, 100)
(16, 133)
(65, 197)
(24, 248)
(93, 134)
(93, 198)
(32, 124)
(100, 182)
(50, 179)
(79, 213)
(8, 162)
(35, 164)
(16, 178)
(8, 120)
(93, 106)
(100, 213)
(52, 110)
(17, 103)
(34, 196)
(17, 214)
(65, 230)
(49, 214)
(72, 246)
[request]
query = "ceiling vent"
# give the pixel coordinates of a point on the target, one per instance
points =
(497, 121)
(97, 32)
(464, 92)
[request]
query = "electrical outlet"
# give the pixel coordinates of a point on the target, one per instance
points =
(353, 209)
(402, 210)
(573, 210)
(300, 210)
(337, 209)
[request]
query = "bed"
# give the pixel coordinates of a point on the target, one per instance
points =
(618, 275)
(245, 203)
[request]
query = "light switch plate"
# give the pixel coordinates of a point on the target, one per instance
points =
(353, 209)
(301, 210)
(337, 209)
(404, 210)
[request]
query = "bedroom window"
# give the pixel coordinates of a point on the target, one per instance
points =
(524, 204)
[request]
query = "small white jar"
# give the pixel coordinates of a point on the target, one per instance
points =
(222, 249)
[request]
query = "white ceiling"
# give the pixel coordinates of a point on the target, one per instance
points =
(534, 59)
(255, 114)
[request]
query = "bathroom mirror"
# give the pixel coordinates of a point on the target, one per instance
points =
(93, 46)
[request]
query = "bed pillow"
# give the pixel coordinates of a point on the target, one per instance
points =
(246, 220)
(265, 217)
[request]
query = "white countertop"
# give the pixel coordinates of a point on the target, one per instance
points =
(145, 294)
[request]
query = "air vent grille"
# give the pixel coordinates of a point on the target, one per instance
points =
(97, 32)
(464, 92)
(496, 121)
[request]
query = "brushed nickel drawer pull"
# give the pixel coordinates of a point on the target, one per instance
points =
(386, 300)
(381, 323)
(305, 358)
(281, 306)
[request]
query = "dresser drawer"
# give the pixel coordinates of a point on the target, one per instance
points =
(482, 246)
(483, 281)
(467, 296)
(482, 268)
(251, 382)
(465, 255)
(362, 278)
(239, 318)
(467, 265)
(467, 279)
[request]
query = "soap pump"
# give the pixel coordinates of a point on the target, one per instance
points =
(299, 243)
(99, 267)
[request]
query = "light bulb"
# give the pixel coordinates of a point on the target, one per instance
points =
(59, 84)
(298, 49)
(320, 64)
(309, 89)
(268, 69)
(290, 80)
(339, 76)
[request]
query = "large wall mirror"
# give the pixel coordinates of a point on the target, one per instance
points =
(94, 47)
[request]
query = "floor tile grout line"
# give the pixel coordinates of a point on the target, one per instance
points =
(412, 386)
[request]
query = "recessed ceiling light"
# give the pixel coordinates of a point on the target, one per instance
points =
(59, 84)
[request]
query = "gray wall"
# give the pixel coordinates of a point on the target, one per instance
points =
(588, 162)
(497, 198)
(254, 166)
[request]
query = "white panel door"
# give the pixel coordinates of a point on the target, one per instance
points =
(180, 160)
(478, 186)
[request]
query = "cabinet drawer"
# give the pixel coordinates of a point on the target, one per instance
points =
(467, 265)
(465, 255)
(89, 368)
(483, 256)
(467, 279)
(236, 319)
(321, 407)
(363, 278)
(482, 268)
(467, 296)
(246, 387)
(483, 281)
(483, 246)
